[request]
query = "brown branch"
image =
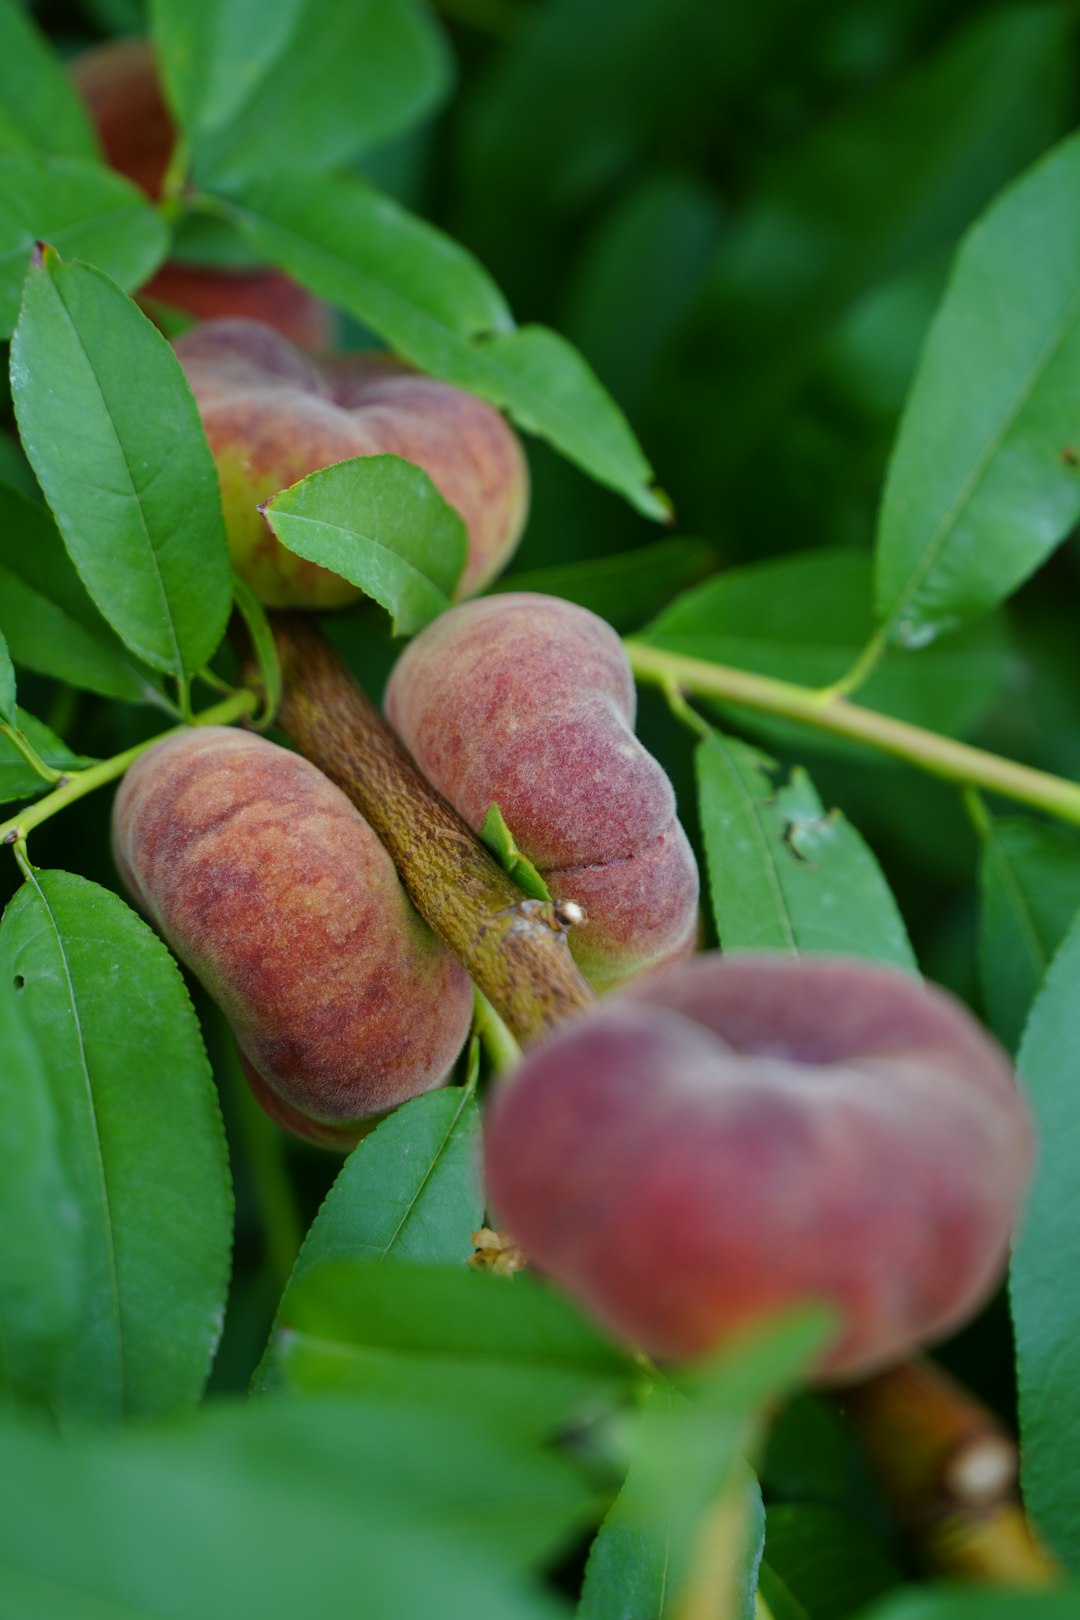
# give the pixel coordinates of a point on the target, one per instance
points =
(513, 948)
(948, 1469)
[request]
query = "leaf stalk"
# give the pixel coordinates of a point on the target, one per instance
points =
(239, 706)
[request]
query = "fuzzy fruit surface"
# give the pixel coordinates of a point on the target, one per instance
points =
(271, 886)
(743, 1134)
(273, 414)
(527, 701)
(119, 83)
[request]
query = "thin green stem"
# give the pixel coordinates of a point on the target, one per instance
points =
(175, 180)
(183, 693)
(940, 756)
(264, 1151)
(47, 772)
(977, 811)
(683, 711)
(860, 671)
(214, 681)
(502, 1049)
(77, 786)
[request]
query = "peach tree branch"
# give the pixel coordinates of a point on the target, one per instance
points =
(513, 949)
(830, 711)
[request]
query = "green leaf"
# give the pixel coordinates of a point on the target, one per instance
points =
(39, 107)
(263, 645)
(18, 780)
(549, 390)
(806, 619)
(141, 1143)
(784, 874)
(857, 201)
(500, 840)
(828, 1561)
(84, 210)
(984, 481)
(1046, 1313)
(40, 1279)
(685, 1458)
(1030, 888)
(410, 283)
(7, 685)
(430, 301)
(622, 589)
(380, 523)
(114, 435)
(281, 1509)
(409, 1191)
(510, 1350)
(52, 626)
(298, 85)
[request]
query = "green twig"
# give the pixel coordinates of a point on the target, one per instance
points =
(78, 785)
(502, 1049)
(824, 711)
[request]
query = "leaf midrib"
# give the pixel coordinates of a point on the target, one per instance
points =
(435, 1161)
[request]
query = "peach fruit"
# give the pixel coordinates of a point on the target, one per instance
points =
(527, 701)
(273, 414)
(119, 83)
(277, 894)
(742, 1134)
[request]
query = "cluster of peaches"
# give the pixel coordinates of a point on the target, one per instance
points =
(720, 1136)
